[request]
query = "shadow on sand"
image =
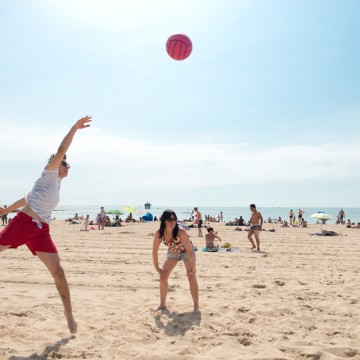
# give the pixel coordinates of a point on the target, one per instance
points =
(175, 324)
(47, 351)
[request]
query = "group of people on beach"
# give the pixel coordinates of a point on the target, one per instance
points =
(30, 227)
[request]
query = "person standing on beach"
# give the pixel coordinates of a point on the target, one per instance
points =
(4, 218)
(179, 248)
(102, 218)
(341, 216)
(255, 223)
(291, 217)
(198, 216)
(300, 215)
(220, 217)
(30, 226)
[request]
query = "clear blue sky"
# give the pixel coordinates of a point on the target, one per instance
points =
(266, 109)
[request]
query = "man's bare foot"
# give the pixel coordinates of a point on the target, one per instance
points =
(72, 325)
(196, 308)
(160, 307)
(254, 247)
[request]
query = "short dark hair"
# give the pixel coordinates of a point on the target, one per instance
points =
(210, 229)
(253, 206)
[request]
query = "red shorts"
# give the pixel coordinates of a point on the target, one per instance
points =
(24, 230)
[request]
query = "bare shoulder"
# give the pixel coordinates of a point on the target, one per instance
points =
(183, 233)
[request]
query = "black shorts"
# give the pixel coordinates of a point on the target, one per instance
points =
(200, 223)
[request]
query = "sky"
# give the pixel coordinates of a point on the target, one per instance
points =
(265, 110)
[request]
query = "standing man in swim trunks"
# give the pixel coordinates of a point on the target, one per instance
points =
(198, 216)
(30, 226)
(291, 217)
(4, 218)
(300, 215)
(255, 223)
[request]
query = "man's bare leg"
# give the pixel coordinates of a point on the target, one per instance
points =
(52, 262)
(257, 237)
(250, 234)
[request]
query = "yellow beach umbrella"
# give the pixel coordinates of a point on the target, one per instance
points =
(129, 209)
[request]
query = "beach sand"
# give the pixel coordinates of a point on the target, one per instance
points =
(298, 299)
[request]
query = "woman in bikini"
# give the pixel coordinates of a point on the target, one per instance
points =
(179, 248)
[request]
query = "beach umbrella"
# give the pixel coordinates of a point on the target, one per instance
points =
(148, 217)
(115, 212)
(321, 216)
(129, 209)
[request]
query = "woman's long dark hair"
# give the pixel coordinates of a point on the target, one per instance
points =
(167, 214)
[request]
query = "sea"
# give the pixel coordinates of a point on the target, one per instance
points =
(184, 212)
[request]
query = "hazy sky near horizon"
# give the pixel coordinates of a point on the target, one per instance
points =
(266, 109)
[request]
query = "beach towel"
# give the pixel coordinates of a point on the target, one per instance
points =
(220, 250)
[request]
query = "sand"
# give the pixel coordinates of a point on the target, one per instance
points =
(298, 299)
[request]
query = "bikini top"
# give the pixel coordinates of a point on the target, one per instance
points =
(175, 246)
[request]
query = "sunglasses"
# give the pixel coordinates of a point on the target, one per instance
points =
(64, 163)
(172, 219)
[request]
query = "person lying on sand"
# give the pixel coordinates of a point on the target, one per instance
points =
(326, 233)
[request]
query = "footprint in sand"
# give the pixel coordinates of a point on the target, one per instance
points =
(279, 283)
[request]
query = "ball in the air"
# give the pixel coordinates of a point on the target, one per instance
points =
(179, 46)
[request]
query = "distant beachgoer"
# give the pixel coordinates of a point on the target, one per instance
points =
(103, 218)
(129, 218)
(220, 217)
(291, 217)
(210, 238)
(98, 221)
(326, 233)
(86, 222)
(348, 224)
(255, 223)
(341, 216)
(303, 223)
(179, 248)
(241, 221)
(30, 226)
(300, 215)
(4, 218)
(198, 216)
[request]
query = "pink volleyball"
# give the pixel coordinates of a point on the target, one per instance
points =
(179, 46)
